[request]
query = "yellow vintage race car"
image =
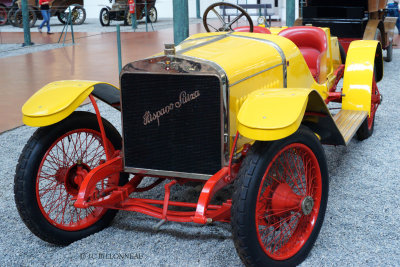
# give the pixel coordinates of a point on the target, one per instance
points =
(252, 109)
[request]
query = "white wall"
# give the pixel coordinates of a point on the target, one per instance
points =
(164, 7)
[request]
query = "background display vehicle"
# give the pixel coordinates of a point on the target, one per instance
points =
(352, 20)
(59, 8)
(222, 108)
(120, 12)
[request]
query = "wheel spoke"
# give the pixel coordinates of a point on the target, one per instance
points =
(219, 17)
(235, 20)
(56, 178)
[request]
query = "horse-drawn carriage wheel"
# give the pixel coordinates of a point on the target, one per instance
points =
(18, 18)
(152, 15)
(104, 17)
(279, 201)
(46, 182)
(225, 25)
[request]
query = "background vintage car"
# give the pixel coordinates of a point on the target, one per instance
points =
(220, 108)
(58, 8)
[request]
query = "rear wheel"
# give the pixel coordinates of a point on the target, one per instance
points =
(367, 128)
(46, 184)
(279, 201)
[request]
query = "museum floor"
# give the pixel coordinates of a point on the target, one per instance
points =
(94, 57)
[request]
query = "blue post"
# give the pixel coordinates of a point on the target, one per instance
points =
(72, 28)
(133, 16)
(119, 48)
(145, 15)
(25, 22)
(290, 12)
(198, 9)
(181, 20)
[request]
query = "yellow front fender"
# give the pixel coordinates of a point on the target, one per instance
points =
(272, 114)
(56, 101)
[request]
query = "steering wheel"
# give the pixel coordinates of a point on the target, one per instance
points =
(226, 26)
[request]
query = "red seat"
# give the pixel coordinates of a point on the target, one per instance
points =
(312, 43)
(256, 29)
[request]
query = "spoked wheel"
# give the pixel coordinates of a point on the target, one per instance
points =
(49, 174)
(279, 201)
(78, 14)
(367, 128)
(3, 15)
(223, 24)
(152, 15)
(104, 17)
(18, 18)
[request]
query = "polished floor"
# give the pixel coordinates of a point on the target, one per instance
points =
(94, 57)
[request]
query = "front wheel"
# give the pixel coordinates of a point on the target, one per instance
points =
(279, 201)
(104, 17)
(45, 182)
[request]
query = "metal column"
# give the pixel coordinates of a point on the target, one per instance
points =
(181, 20)
(290, 12)
(25, 22)
(198, 9)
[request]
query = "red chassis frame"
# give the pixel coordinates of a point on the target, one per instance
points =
(117, 197)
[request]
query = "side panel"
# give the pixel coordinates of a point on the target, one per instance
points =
(363, 59)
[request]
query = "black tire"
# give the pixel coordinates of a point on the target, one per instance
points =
(389, 52)
(152, 15)
(246, 197)
(342, 53)
(62, 17)
(18, 18)
(104, 17)
(31, 167)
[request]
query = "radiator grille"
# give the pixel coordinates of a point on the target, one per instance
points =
(172, 122)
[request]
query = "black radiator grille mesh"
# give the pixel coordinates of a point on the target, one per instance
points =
(172, 122)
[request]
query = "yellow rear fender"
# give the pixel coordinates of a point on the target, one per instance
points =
(57, 100)
(363, 62)
(272, 114)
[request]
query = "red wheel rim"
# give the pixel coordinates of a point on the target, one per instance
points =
(375, 101)
(55, 184)
(285, 217)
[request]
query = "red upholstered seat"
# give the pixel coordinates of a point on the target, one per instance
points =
(256, 29)
(312, 43)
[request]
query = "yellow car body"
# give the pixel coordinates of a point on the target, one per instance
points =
(263, 103)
